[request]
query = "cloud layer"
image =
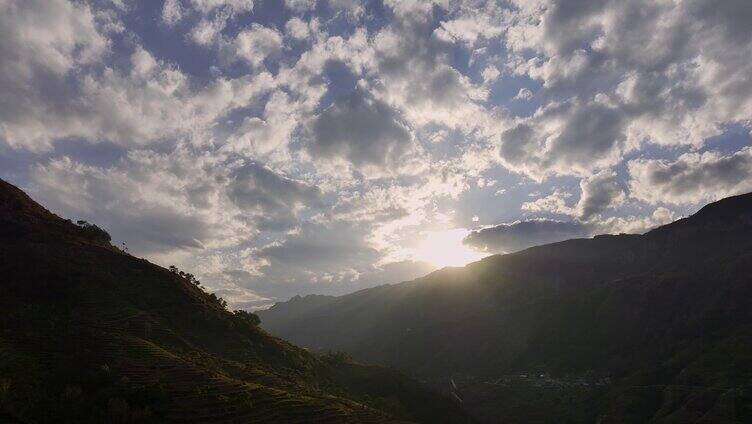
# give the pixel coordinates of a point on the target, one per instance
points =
(310, 146)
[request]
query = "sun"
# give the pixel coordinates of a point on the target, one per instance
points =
(445, 248)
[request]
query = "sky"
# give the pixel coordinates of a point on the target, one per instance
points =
(278, 148)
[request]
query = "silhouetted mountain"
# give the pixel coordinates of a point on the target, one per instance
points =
(89, 333)
(613, 329)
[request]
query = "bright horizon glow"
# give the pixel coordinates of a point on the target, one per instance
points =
(445, 248)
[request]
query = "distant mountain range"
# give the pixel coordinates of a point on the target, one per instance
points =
(89, 333)
(614, 329)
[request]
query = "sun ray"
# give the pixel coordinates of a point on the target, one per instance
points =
(445, 248)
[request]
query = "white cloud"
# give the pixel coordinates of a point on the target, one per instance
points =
(692, 178)
(35, 65)
(414, 72)
(208, 17)
(490, 74)
(279, 137)
(599, 192)
(300, 5)
(626, 72)
(353, 8)
(524, 94)
(206, 6)
(148, 200)
(211, 16)
(555, 203)
(270, 133)
(567, 138)
(333, 257)
(53, 89)
(162, 204)
(471, 25)
(172, 12)
(207, 31)
(635, 224)
(257, 43)
(297, 29)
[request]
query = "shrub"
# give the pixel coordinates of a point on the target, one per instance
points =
(94, 232)
(193, 280)
(337, 357)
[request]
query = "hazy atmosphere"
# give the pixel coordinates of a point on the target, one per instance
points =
(275, 148)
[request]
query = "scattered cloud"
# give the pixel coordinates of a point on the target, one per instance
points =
(307, 146)
(256, 43)
(491, 73)
(297, 29)
(617, 74)
(300, 5)
(524, 94)
(555, 202)
(361, 129)
(600, 192)
(692, 178)
(274, 200)
(162, 204)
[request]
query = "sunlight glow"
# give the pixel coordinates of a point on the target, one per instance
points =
(445, 248)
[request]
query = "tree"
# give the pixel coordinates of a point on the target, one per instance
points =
(248, 317)
(190, 277)
(193, 280)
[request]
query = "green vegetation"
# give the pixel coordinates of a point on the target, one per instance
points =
(248, 317)
(89, 333)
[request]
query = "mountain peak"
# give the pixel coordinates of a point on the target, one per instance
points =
(727, 214)
(117, 329)
(14, 203)
(24, 219)
(635, 328)
(735, 207)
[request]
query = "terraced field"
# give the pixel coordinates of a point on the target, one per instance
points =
(89, 333)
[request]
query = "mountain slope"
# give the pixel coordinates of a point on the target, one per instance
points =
(91, 334)
(627, 328)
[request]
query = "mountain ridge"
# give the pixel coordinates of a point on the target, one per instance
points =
(663, 307)
(90, 333)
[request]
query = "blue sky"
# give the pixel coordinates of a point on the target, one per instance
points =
(276, 148)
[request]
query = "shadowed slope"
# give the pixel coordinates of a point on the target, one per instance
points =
(624, 328)
(91, 334)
